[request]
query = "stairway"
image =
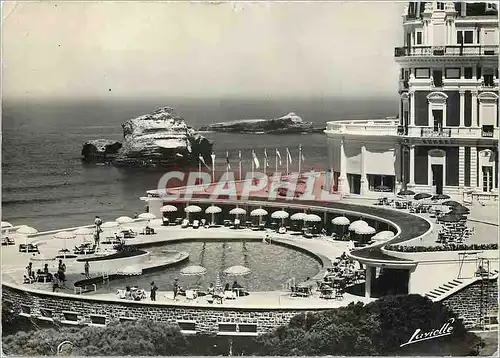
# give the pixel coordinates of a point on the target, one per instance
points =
(437, 293)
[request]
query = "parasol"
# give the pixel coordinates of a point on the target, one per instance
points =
(341, 221)
(237, 270)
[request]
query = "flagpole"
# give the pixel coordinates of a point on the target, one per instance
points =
(213, 167)
(240, 164)
(252, 164)
(287, 160)
(199, 168)
(276, 163)
(300, 156)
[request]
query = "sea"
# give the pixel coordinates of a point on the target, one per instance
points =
(46, 185)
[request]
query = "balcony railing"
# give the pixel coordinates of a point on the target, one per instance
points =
(487, 131)
(431, 132)
(364, 127)
(473, 50)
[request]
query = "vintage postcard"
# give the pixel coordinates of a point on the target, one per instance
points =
(259, 178)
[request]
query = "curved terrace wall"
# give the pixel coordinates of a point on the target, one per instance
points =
(206, 318)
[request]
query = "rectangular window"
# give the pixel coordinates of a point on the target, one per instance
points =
(478, 72)
(468, 72)
(46, 313)
(468, 37)
(227, 327)
(437, 76)
(25, 310)
(440, 5)
(452, 73)
(460, 38)
(98, 320)
(187, 325)
(247, 328)
(467, 167)
(419, 37)
(422, 73)
(70, 316)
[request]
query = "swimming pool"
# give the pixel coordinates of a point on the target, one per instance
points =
(271, 265)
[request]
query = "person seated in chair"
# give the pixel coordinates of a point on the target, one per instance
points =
(27, 279)
(211, 289)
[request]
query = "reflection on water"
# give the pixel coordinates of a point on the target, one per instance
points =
(271, 265)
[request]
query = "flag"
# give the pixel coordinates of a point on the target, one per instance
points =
(301, 153)
(202, 161)
(213, 158)
(239, 155)
(267, 160)
(278, 155)
(227, 161)
(255, 160)
(289, 156)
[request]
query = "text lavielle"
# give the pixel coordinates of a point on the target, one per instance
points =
(418, 336)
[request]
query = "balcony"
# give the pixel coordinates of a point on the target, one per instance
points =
(435, 133)
(377, 127)
(487, 132)
(472, 50)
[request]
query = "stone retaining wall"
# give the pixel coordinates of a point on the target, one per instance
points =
(207, 318)
(470, 303)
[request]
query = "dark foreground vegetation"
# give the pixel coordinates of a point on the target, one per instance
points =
(378, 328)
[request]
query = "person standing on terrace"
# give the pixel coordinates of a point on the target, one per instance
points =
(87, 268)
(154, 288)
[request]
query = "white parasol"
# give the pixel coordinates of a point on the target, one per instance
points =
(213, 210)
(168, 209)
(298, 216)
(238, 211)
(341, 221)
(64, 235)
(26, 231)
(124, 220)
(312, 218)
(191, 209)
(356, 224)
(194, 270)
(6, 225)
(237, 270)
(258, 212)
(280, 214)
(364, 230)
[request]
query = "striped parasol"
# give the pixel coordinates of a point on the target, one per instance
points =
(218, 283)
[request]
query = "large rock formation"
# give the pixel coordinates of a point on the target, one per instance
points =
(290, 123)
(101, 150)
(159, 139)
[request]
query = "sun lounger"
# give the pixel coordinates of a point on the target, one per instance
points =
(185, 223)
(282, 230)
(29, 248)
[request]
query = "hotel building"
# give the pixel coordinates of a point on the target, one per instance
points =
(445, 139)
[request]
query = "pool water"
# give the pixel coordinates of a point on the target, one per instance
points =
(271, 266)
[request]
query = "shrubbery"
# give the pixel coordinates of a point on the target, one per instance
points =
(446, 247)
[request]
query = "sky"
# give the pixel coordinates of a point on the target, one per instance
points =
(140, 49)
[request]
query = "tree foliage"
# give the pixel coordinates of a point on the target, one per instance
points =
(141, 338)
(378, 328)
